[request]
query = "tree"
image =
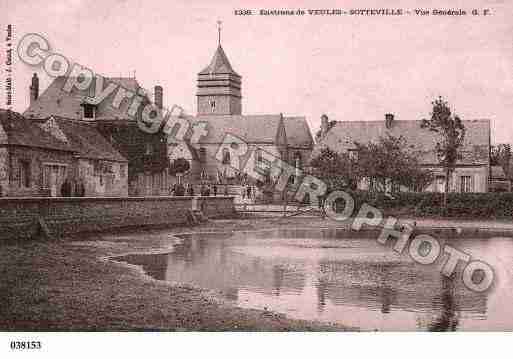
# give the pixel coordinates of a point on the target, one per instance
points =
(391, 160)
(337, 170)
(500, 155)
(330, 126)
(451, 133)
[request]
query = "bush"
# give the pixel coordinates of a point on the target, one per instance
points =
(459, 205)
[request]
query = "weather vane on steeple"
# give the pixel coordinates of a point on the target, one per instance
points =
(219, 22)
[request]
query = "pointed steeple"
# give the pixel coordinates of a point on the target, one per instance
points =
(219, 86)
(219, 64)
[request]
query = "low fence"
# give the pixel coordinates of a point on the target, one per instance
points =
(23, 218)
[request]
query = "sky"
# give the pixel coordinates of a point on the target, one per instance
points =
(348, 67)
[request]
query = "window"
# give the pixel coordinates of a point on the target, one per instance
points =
(203, 155)
(297, 160)
(148, 149)
(226, 157)
(259, 156)
(440, 184)
(122, 171)
(24, 173)
(212, 105)
(156, 183)
(467, 184)
(163, 181)
(53, 174)
(89, 111)
(292, 180)
(372, 184)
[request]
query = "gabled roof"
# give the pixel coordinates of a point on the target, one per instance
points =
(344, 133)
(88, 141)
(55, 101)
(298, 132)
(255, 129)
(219, 64)
(18, 131)
(261, 129)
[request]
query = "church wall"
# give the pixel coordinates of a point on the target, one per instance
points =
(211, 165)
(305, 155)
(225, 105)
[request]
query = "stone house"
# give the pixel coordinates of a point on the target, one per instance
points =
(103, 170)
(27, 155)
(145, 152)
(36, 157)
(472, 171)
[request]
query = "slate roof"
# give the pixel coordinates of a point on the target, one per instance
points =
(88, 141)
(255, 129)
(219, 64)
(22, 132)
(475, 151)
(55, 101)
(298, 132)
(262, 129)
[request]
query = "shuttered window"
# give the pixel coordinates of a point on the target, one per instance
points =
(467, 184)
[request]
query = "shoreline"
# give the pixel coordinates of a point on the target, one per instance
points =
(76, 283)
(89, 291)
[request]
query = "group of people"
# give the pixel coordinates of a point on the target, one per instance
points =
(72, 188)
(247, 191)
(204, 190)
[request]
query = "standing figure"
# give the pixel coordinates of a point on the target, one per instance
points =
(66, 188)
(79, 188)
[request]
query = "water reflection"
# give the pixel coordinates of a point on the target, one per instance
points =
(323, 275)
(448, 319)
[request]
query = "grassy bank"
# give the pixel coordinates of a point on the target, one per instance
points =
(70, 286)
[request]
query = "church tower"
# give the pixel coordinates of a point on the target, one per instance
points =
(219, 86)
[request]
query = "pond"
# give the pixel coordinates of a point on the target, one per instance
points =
(334, 276)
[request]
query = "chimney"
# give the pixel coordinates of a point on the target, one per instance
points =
(34, 89)
(324, 125)
(159, 94)
(389, 120)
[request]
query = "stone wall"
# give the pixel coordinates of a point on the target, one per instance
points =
(20, 217)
